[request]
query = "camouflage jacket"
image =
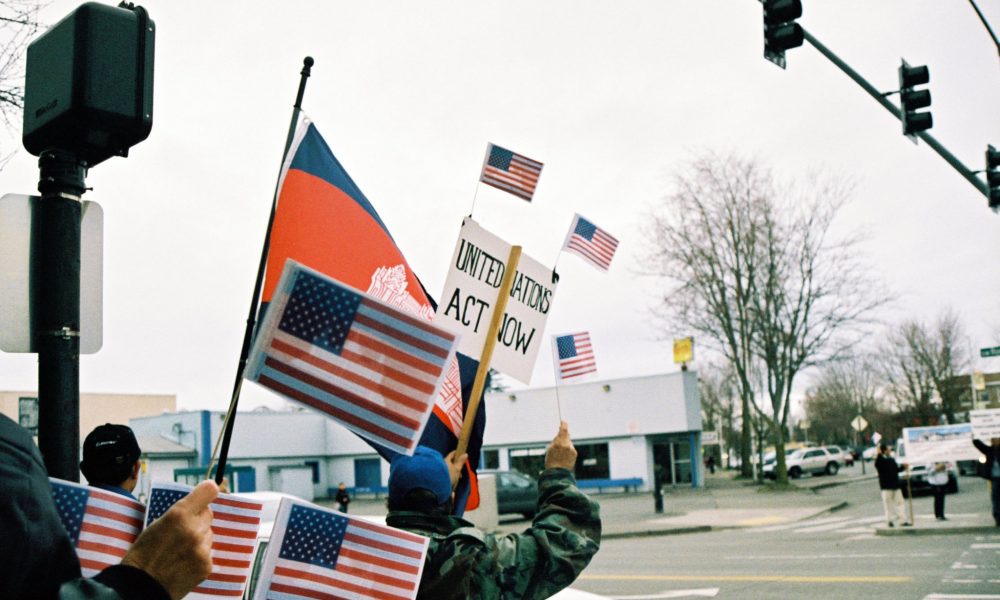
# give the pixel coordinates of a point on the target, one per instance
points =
(463, 562)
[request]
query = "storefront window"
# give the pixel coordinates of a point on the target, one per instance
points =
(491, 459)
(529, 461)
(592, 461)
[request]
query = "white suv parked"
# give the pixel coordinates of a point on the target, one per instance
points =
(806, 460)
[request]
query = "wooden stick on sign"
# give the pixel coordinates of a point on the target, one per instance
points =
(484, 359)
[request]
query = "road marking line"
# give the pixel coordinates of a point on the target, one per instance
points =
(761, 578)
(985, 546)
(962, 597)
(893, 555)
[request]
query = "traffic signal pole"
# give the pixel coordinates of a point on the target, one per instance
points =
(889, 106)
(55, 311)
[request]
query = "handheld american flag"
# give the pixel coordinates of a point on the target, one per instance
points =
(102, 525)
(574, 355)
(235, 523)
(369, 365)
(590, 243)
(316, 552)
(510, 172)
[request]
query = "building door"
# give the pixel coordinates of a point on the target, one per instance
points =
(663, 462)
(368, 473)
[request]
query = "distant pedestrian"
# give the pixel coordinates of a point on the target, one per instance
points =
(939, 482)
(343, 498)
(710, 463)
(888, 483)
(991, 470)
(111, 459)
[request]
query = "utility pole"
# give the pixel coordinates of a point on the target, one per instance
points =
(56, 312)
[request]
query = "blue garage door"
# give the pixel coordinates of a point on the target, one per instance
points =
(368, 473)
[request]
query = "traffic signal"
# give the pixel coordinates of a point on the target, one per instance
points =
(912, 100)
(993, 176)
(781, 32)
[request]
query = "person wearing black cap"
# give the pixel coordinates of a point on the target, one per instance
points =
(111, 459)
(464, 562)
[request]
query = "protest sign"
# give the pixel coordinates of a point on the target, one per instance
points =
(938, 443)
(470, 295)
(985, 423)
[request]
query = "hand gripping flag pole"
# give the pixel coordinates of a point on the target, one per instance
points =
(491, 341)
(227, 428)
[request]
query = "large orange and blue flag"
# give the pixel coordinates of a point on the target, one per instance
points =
(325, 222)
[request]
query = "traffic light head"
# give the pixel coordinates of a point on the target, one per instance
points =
(912, 100)
(993, 177)
(780, 30)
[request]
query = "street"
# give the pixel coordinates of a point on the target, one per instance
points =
(830, 556)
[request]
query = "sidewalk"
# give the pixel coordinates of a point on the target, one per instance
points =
(725, 503)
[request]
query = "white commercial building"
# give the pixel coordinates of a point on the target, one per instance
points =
(625, 430)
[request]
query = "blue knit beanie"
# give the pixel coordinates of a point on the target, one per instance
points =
(426, 469)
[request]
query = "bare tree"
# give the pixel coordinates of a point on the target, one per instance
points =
(718, 402)
(18, 26)
(924, 360)
(941, 353)
(814, 296)
(908, 382)
(843, 390)
(702, 240)
(760, 277)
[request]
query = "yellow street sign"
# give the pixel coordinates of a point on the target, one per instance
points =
(683, 350)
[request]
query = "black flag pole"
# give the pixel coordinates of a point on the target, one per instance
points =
(227, 432)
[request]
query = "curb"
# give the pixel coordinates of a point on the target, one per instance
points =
(901, 531)
(613, 535)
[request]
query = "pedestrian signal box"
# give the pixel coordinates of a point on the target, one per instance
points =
(89, 83)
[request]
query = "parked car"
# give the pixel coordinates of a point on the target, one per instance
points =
(918, 479)
(869, 454)
(841, 455)
(816, 461)
(516, 493)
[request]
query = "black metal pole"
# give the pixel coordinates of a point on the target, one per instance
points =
(55, 309)
(227, 435)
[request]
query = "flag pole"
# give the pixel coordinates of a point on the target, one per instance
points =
(491, 341)
(555, 367)
(227, 430)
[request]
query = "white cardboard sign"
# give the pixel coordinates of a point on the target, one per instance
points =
(985, 423)
(470, 293)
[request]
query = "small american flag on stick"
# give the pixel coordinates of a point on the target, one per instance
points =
(317, 552)
(510, 172)
(102, 525)
(235, 524)
(590, 243)
(574, 355)
(367, 364)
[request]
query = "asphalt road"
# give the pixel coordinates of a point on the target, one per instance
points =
(831, 556)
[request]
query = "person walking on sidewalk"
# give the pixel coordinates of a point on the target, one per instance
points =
(990, 470)
(888, 483)
(343, 498)
(939, 482)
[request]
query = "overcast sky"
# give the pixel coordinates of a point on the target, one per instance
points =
(612, 96)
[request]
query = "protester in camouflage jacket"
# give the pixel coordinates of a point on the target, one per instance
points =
(463, 562)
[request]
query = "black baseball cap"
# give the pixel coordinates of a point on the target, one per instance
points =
(109, 446)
